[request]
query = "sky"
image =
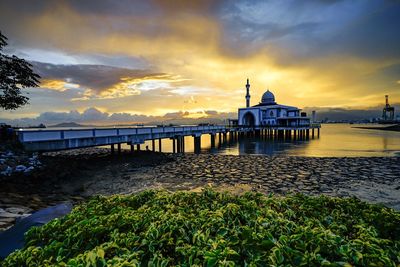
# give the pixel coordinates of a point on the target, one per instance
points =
(124, 61)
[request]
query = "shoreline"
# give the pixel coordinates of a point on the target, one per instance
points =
(77, 175)
(394, 128)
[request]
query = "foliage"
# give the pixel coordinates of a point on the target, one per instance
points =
(15, 73)
(157, 228)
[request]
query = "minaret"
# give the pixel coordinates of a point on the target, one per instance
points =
(247, 93)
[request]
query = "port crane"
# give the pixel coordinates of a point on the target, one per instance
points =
(388, 111)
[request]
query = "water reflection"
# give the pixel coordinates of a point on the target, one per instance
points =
(268, 147)
(336, 140)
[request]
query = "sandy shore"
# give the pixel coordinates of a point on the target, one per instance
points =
(76, 175)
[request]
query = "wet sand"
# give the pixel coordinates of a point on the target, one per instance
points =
(75, 175)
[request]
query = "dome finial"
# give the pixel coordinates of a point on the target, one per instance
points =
(268, 98)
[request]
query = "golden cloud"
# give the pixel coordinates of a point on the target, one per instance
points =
(57, 85)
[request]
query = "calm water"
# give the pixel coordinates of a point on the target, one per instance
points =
(336, 140)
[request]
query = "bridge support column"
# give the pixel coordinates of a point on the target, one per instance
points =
(212, 138)
(119, 148)
(132, 148)
(138, 147)
(318, 133)
(173, 145)
(308, 133)
(159, 145)
(178, 145)
(197, 144)
(112, 149)
(312, 133)
(153, 145)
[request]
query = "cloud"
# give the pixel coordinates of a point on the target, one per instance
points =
(176, 115)
(95, 116)
(99, 81)
(301, 28)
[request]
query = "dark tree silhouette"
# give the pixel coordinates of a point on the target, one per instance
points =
(15, 74)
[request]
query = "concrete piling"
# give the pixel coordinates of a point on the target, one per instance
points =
(112, 149)
(212, 138)
(197, 144)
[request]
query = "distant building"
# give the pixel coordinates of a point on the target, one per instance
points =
(269, 113)
(314, 116)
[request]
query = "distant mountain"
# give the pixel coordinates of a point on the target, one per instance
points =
(70, 125)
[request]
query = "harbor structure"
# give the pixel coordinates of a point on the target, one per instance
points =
(269, 113)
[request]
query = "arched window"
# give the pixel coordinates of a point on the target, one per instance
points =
(271, 114)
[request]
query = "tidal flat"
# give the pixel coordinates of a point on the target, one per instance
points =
(74, 176)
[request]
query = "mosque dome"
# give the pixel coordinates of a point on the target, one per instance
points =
(268, 98)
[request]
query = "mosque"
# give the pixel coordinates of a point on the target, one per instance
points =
(269, 113)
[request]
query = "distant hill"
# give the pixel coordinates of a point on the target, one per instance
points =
(70, 124)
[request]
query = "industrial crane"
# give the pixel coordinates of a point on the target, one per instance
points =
(388, 111)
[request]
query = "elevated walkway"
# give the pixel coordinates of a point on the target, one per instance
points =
(52, 140)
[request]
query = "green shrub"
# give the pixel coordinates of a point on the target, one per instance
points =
(157, 228)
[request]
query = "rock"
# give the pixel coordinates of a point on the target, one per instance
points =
(29, 169)
(18, 210)
(7, 172)
(8, 215)
(20, 168)
(8, 220)
(4, 224)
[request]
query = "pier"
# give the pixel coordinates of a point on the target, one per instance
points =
(43, 140)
